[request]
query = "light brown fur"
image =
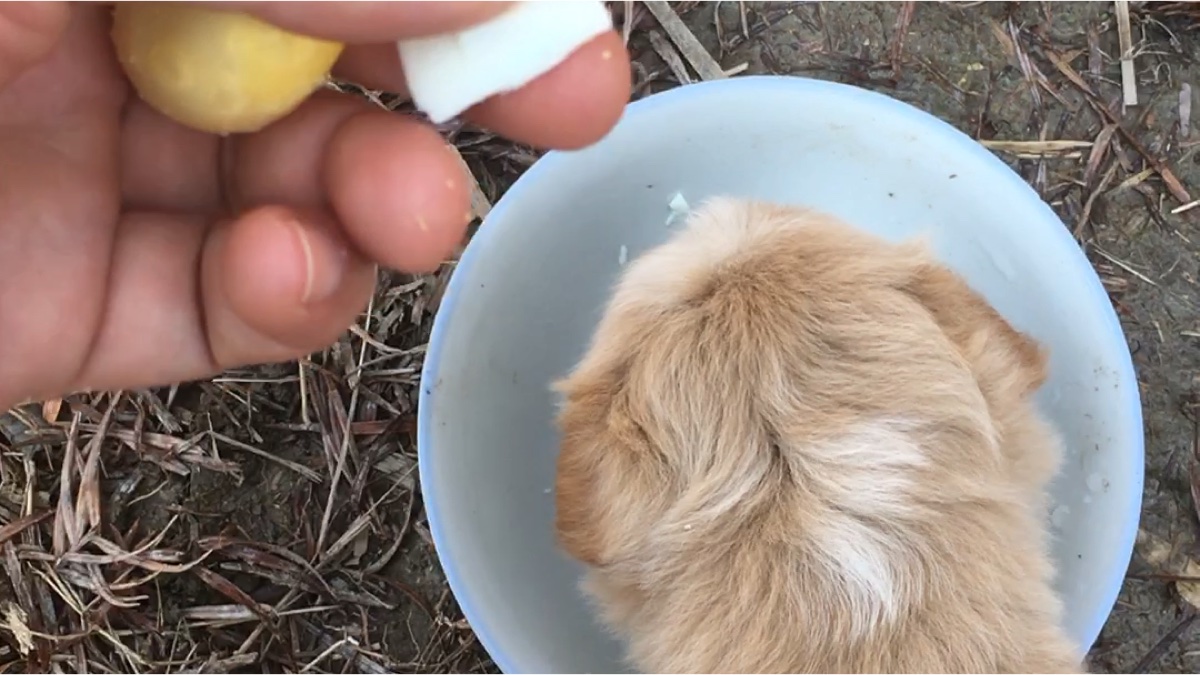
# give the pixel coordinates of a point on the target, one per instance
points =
(793, 447)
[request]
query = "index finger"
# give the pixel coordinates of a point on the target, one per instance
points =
(365, 22)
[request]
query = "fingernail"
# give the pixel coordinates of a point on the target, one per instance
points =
(324, 261)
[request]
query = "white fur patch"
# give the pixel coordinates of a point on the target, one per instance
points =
(872, 468)
(858, 557)
(866, 478)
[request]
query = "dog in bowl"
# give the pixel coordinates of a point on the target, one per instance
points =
(794, 447)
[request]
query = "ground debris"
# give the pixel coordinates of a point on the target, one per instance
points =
(691, 48)
(133, 534)
(1125, 34)
(1194, 463)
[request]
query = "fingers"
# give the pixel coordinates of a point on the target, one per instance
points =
(571, 106)
(282, 163)
(187, 300)
(166, 166)
(28, 31)
(362, 22)
(279, 283)
(395, 186)
(399, 189)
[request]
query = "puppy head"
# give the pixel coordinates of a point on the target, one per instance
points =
(651, 433)
(756, 329)
(768, 403)
(649, 417)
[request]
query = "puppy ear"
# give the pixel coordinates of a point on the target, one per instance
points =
(609, 481)
(992, 346)
(581, 423)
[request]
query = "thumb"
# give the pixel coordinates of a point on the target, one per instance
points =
(28, 31)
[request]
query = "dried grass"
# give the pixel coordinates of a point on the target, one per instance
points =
(131, 544)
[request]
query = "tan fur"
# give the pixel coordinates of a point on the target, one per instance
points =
(792, 447)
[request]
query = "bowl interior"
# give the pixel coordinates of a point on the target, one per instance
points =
(531, 286)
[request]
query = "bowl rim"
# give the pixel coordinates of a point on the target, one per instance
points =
(745, 86)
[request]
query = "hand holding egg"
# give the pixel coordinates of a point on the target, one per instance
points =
(187, 197)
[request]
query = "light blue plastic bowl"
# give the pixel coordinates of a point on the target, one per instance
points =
(530, 287)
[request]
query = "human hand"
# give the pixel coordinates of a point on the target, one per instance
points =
(135, 252)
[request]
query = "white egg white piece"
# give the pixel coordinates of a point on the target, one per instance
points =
(678, 209)
(449, 73)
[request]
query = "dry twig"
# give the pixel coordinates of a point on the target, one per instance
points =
(1185, 110)
(670, 56)
(899, 32)
(480, 204)
(691, 49)
(1037, 149)
(1157, 164)
(1125, 37)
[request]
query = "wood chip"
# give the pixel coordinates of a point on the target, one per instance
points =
(480, 204)
(1096, 156)
(52, 407)
(674, 62)
(1134, 180)
(1095, 55)
(1185, 207)
(1125, 38)
(87, 501)
(739, 68)
(1036, 147)
(691, 49)
(65, 533)
(16, 621)
(1185, 109)
(899, 32)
